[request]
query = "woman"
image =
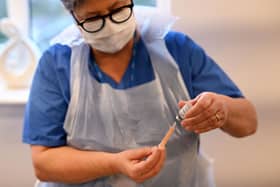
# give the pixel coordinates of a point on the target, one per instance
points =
(98, 108)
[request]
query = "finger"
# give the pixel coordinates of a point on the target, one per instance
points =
(139, 154)
(200, 131)
(146, 165)
(181, 104)
(194, 121)
(202, 104)
(209, 123)
(156, 169)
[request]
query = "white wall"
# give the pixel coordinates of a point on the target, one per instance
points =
(243, 36)
(15, 157)
(211, 13)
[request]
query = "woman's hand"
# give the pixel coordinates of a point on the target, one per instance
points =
(209, 111)
(141, 164)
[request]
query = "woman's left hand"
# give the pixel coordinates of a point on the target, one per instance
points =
(209, 111)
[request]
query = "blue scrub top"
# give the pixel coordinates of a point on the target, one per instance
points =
(50, 91)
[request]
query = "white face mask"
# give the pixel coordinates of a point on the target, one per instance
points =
(113, 37)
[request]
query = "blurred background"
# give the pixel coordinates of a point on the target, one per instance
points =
(243, 36)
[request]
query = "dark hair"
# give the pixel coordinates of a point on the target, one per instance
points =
(71, 4)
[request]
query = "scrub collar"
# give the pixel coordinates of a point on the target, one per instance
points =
(103, 78)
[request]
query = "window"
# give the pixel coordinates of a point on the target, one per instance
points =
(42, 20)
(40, 12)
(59, 19)
(48, 18)
(3, 13)
(145, 2)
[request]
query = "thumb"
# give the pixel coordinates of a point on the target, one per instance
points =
(139, 154)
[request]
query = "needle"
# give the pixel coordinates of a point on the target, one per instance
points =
(181, 115)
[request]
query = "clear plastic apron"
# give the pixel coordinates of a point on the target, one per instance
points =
(101, 118)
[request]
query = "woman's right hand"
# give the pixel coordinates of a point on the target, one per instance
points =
(141, 164)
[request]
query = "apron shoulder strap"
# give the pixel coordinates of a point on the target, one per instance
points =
(167, 68)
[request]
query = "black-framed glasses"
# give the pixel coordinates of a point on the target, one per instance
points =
(97, 23)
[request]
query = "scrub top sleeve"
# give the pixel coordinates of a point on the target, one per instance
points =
(208, 76)
(199, 71)
(46, 109)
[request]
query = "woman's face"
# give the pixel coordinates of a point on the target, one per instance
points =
(107, 25)
(91, 8)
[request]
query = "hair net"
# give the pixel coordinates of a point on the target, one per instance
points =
(71, 4)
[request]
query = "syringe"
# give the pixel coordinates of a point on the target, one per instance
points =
(180, 116)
